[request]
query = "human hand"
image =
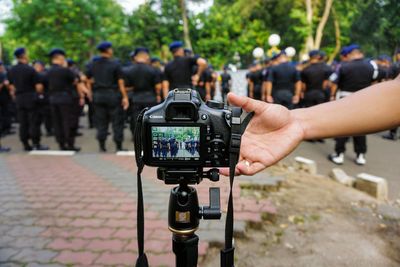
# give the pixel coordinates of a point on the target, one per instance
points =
(195, 79)
(270, 99)
(296, 99)
(271, 135)
(81, 101)
(125, 103)
(208, 97)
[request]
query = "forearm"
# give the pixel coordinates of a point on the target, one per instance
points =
(370, 110)
(269, 88)
(122, 88)
(202, 65)
(298, 88)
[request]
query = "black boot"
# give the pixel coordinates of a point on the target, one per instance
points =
(119, 146)
(27, 146)
(40, 147)
(102, 146)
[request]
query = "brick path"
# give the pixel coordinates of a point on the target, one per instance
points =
(81, 211)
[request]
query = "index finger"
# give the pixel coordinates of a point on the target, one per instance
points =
(247, 103)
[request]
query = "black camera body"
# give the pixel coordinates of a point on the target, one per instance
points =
(185, 132)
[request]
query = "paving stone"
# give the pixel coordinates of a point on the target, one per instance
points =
(30, 255)
(6, 253)
(26, 231)
(29, 242)
(34, 264)
(124, 258)
(80, 257)
(372, 185)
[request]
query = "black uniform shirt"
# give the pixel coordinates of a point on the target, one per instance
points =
(142, 77)
(314, 76)
(61, 79)
(179, 72)
(283, 76)
(256, 77)
(394, 70)
(3, 89)
(106, 72)
(225, 78)
(24, 78)
(356, 75)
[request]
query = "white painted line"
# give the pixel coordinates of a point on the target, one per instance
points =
(52, 152)
(304, 160)
(125, 153)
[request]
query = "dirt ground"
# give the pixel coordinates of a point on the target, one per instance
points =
(319, 223)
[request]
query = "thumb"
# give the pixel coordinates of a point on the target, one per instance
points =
(247, 103)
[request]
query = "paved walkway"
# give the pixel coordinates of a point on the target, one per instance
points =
(81, 211)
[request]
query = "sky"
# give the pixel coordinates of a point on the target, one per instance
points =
(128, 5)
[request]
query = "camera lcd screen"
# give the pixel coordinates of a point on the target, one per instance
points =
(175, 143)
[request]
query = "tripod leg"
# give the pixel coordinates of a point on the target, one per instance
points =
(186, 250)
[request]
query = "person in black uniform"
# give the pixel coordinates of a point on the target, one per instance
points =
(43, 99)
(62, 82)
(5, 102)
(4, 99)
(78, 96)
(353, 76)
(204, 85)
(178, 73)
(315, 78)
(145, 82)
(109, 96)
(283, 85)
(394, 71)
(225, 80)
(25, 82)
(256, 82)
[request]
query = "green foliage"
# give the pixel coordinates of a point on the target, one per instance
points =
(217, 34)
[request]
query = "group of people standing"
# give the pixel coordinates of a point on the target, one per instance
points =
(313, 82)
(115, 93)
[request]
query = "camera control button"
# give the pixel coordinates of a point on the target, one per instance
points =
(215, 104)
(208, 137)
(204, 117)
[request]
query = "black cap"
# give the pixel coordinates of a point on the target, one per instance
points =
(103, 46)
(56, 51)
(140, 50)
(19, 51)
(314, 53)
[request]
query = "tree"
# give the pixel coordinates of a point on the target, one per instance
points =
(75, 25)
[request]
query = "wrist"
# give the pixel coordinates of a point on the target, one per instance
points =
(300, 117)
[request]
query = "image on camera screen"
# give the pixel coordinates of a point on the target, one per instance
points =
(176, 142)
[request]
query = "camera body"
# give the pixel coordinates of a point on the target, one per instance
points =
(185, 132)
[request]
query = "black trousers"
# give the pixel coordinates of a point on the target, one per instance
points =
(283, 97)
(5, 114)
(77, 110)
(359, 142)
(134, 110)
(313, 97)
(45, 117)
(63, 120)
(106, 113)
(29, 124)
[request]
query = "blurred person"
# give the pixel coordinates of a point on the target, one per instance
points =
(62, 85)
(356, 74)
(283, 85)
(43, 99)
(315, 78)
(178, 73)
(225, 81)
(145, 83)
(394, 71)
(384, 63)
(5, 103)
(4, 99)
(110, 98)
(204, 85)
(256, 82)
(25, 84)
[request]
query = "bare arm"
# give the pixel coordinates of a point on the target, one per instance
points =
(268, 87)
(122, 89)
(370, 110)
(274, 132)
(165, 88)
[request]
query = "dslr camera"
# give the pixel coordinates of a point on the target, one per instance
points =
(185, 134)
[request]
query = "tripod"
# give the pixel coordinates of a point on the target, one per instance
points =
(184, 212)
